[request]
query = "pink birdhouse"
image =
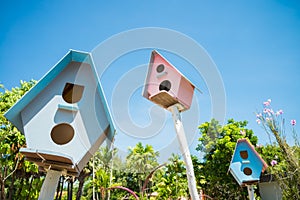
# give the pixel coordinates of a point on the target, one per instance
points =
(166, 86)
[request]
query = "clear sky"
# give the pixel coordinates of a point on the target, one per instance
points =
(254, 44)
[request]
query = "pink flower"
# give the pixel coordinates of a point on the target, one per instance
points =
(258, 121)
(268, 111)
(265, 110)
(273, 162)
(259, 115)
(293, 122)
(279, 112)
(267, 103)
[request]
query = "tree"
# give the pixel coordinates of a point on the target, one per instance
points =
(173, 182)
(101, 163)
(217, 143)
(19, 179)
(140, 162)
(104, 158)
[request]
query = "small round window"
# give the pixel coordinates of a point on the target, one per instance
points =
(165, 85)
(62, 133)
(160, 68)
(247, 171)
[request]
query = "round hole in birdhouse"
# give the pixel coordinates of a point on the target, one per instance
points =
(160, 68)
(62, 133)
(247, 171)
(244, 154)
(165, 85)
(72, 93)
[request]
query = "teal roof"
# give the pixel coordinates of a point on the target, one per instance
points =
(14, 113)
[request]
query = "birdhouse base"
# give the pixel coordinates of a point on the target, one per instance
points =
(245, 183)
(165, 100)
(53, 160)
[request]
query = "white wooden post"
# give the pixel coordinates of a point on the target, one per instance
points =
(185, 152)
(50, 184)
(250, 192)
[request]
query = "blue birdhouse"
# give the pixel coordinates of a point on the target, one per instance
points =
(246, 164)
(65, 117)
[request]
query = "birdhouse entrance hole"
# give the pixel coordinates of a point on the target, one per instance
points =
(62, 133)
(165, 85)
(247, 171)
(244, 154)
(72, 93)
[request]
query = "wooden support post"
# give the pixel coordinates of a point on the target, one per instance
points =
(49, 185)
(185, 152)
(250, 192)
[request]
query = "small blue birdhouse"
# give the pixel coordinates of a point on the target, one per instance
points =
(246, 164)
(65, 117)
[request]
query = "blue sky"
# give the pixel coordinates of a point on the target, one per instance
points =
(254, 44)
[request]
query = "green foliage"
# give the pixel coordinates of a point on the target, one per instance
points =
(286, 162)
(272, 152)
(173, 183)
(139, 163)
(19, 179)
(217, 143)
(141, 160)
(104, 158)
(280, 170)
(100, 163)
(101, 182)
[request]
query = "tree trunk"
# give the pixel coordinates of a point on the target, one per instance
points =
(81, 178)
(2, 197)
(1, 186)
(80, 187)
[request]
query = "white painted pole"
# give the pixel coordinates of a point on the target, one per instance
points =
(250, 192)
(49, 185)
(185, 152)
